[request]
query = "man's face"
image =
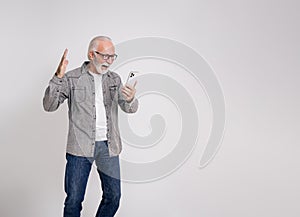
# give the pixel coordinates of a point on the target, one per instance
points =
(103, 56)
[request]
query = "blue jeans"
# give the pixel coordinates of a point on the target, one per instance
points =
(76, 177)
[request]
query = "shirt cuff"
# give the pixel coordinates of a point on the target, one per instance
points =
(57, 80)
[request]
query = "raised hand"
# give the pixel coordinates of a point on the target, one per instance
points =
(61, 69)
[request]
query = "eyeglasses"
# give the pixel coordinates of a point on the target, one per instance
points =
(107, 56)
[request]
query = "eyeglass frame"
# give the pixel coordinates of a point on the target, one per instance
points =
(106, 56)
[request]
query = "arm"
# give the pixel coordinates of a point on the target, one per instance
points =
(58, 89)
(56, 93)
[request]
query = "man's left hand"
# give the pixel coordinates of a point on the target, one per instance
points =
(128, 92)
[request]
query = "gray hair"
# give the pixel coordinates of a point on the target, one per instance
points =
(95, 42)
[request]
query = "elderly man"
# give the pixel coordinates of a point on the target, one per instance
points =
(93, 94)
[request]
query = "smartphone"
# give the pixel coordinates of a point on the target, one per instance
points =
(130, 76)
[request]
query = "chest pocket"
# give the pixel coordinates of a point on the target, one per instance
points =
(79, 94)
(113, 91)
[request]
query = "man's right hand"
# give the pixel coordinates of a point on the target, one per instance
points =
(61, 69)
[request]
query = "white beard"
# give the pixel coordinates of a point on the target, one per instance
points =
(98, 66)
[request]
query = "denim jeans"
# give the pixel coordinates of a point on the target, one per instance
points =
(76, 177)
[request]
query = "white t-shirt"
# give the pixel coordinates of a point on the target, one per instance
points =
(101, 127)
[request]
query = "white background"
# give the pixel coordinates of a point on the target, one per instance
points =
(253, 47)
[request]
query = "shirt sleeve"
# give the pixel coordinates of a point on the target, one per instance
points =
(55, 94)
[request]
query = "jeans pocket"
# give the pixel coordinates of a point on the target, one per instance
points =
(106, 143)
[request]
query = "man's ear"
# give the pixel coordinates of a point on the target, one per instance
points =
(91, 55)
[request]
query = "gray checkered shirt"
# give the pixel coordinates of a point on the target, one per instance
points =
(78, 87)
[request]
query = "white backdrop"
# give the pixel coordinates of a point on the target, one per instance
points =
(253, 47)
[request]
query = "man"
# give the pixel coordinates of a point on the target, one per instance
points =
(93, 94)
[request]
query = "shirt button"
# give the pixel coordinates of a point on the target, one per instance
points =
(93, 105)
(93, 93)
(93, 143)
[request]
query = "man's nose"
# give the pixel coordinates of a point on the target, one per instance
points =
(109, 60)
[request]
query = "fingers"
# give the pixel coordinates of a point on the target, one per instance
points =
(62, 64)
(63, 60)
(129, 91)
(131, 87)
(65, 54)
(126, 95)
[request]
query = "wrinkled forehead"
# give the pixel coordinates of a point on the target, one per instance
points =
(106, 47)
